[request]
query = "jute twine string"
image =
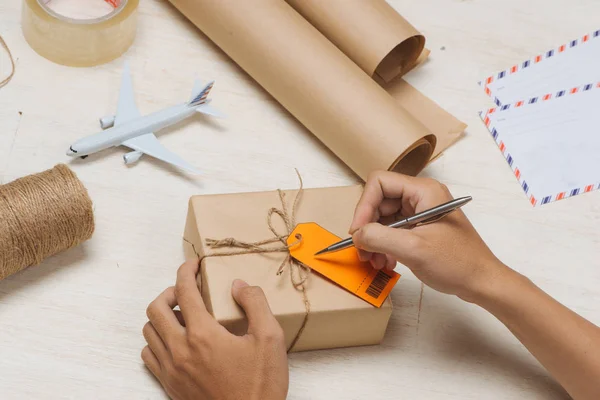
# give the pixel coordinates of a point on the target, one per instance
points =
(42, 215)
(299, 272)
(12, 63)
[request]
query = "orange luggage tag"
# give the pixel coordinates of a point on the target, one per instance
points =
(342, 267)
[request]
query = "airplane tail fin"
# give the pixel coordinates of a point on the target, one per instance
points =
(200, 94)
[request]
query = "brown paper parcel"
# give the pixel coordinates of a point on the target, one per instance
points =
(327, 92)
(337, 317)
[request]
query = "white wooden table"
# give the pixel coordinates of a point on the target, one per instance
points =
(71, 327)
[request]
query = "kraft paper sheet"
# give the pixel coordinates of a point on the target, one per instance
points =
(370, 32)
(386, 46)
(446, 127)
(365, 126)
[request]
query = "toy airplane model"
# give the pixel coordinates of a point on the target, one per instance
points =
(129, 128)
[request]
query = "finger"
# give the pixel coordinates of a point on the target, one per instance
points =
(390, 263)
(379, 186)
(151, 361)
(179, 316)
(160, 313)
(252, 299)
(154, 341)
(364, 256)
(390, 219)
(389, 207)
(188, 296)
(407, 209)
(403, 245)
(379, 260)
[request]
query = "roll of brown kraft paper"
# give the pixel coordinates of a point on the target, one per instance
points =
(317, 83)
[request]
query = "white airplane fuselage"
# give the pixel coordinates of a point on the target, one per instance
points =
(116, 135)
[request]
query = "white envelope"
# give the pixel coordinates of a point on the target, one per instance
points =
(552, 143)
(570, 65)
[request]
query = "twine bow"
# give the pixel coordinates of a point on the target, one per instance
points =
(299, 272)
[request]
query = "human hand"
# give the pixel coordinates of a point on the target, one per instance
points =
(194, 357)
(448, 255)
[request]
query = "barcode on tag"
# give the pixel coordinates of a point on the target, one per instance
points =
(343, 267)
(378, 284)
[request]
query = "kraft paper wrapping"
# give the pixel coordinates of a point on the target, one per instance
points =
(337, 317)
(327, 92)
(386, 46)
(370, 32)
(446, 128)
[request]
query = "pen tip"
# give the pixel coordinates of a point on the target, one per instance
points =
(320, 252)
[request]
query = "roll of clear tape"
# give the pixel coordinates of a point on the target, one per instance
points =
(79, 42)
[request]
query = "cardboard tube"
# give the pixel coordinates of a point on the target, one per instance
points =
(370, 32)
(352, 115)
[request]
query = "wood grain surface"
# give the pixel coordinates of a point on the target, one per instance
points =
(71, 327)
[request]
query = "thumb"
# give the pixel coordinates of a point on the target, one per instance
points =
(398, 243)
(252, 299)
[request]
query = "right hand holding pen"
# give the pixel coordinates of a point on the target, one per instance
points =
(448, 255)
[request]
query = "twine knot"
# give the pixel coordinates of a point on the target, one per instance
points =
(299, 272)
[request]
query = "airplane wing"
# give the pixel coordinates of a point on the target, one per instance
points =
(126, 109)
(149, 144)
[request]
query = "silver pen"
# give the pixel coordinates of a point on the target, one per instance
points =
(426, 217)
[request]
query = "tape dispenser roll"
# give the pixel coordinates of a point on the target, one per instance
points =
(79, 42)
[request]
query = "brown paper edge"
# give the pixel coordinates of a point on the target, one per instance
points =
(400, 60)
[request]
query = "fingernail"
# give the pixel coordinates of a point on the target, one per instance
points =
(364, 256)
(379, 262)
(354, 234)
(374, 264)
(238, 284)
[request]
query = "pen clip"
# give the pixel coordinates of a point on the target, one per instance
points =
(433, 219)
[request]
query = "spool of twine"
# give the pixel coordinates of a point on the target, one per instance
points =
(42, 215)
